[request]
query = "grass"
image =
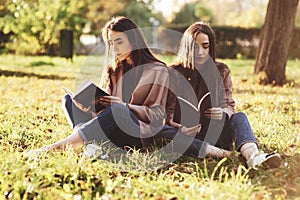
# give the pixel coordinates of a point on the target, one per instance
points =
(31, 117)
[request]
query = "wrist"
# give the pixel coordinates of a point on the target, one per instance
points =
(93, 114)
(180, 128)
(224, 116)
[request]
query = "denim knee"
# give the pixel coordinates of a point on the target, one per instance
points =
(122, 114)
(242, 129)
(116, 110)
(238, 117)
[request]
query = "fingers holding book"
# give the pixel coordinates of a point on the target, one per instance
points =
(215, 113)
(88, 109)
(82, 107)
(103, 101)
(108, 100)
(191, 131)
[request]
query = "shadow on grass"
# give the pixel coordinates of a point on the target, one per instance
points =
(8, 73)
(40, 63)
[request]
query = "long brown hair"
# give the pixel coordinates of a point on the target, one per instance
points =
(186, 48)
(140, 54)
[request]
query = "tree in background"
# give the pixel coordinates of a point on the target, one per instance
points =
(192, 12)
(141, 12)
(203, 13)
(3, 8)
(186, 15)
(228, 13)
(35, 24)
(275, 38)
(4, 36)
(98, 12)
(298, 18)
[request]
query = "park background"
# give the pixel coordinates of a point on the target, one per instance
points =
(32, 74)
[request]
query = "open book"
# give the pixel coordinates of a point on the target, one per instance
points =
(191, 114)
(88, 94)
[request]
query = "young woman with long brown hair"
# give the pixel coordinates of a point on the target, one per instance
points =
(137, 83)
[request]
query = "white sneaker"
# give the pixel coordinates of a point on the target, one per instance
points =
(273, 160)
(94, 151)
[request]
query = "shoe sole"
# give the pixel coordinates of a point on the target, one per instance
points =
(273, 160)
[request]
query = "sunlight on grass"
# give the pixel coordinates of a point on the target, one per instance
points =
(31, 117)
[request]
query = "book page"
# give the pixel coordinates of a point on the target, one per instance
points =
(189, 114)
(202, 99)
(187, 102)
(83, 85)
(69, 92)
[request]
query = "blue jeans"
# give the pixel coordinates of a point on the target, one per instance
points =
(179, 142)
(237, 132)
(115, 123)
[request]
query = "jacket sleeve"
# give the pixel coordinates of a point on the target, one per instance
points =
(229, 104)
(148, 101)
(171, 100)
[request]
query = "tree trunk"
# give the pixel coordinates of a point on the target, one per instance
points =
(275, 38)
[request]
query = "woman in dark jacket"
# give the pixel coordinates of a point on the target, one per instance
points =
(218, 128)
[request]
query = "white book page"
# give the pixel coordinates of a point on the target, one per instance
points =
(81, 87)
(204, 96)
(69, 92)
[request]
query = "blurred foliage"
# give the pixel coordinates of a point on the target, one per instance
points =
(100, 11)
(203, 13)
(227, 13)
(142, 13)
(32, 26)
(232, 42)
(35, 24)
(192, 12)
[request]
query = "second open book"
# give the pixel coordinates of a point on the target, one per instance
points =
(191, 114)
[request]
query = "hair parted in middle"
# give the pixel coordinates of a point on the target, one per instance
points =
(187, 44)
(141, 53)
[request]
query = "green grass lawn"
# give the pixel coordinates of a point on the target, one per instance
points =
(31, 117)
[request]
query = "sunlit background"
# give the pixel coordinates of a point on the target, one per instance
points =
(33, 26)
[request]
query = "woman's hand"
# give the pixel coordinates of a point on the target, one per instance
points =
(214, 113)
(85, 109)
(191, 131)
(108, 100)
(81, 107)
